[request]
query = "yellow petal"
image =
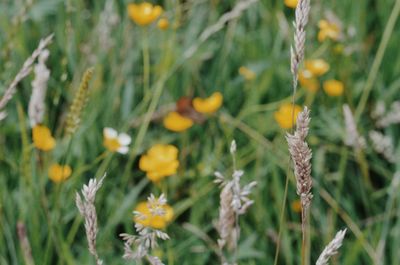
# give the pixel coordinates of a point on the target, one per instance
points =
(157, 222)
(163, 24)
(208, 105)
(58, 173)
(284, 116)
(176, 122)
(159, 162)
(308, 81)
(291, 3)
(42, 138)
(144, 14)
(333, 88)
(317, 67)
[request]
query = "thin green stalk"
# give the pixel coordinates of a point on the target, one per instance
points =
(378, 60)
(146, 63)
(282, 218)
(143, 128)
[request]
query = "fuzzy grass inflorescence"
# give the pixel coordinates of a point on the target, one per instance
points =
(81, 97)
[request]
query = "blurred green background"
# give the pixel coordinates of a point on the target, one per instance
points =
(100, 34)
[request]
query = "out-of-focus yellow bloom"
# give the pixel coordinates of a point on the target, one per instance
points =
(296, 206)
(247, 73)
(308, 81)
(58, 173)
(145, 13)
(176, 122)
(328, 30)
(154, 221)
(42, 138)
(159, 162)
(317, 67)
(163, 24)
(208, 105)
(115, 142)
(284, 116)
(291, 3)
(333, 88)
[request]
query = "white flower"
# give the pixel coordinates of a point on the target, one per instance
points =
(116, 142)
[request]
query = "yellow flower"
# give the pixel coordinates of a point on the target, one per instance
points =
(284, 116)
(291, 3)
(58, 173)
(296, 206)
(154, 221)
(328, 30)
(208, 105)
(176, 122)
(163, 24)
(308, 81)
(115, 142)
(333, 87)
(159, 162)
(247, 73)
(145, 13)
(317, 67)
(42, 138)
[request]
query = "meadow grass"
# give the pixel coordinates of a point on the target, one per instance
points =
(138, 72)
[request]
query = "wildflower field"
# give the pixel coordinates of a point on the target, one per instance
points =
(195, 132)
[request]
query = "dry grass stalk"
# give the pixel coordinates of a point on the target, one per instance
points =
(353, 139)
(24, 243)
(147, 236)
(80, 99)
(39, 86)
(301, 155)
(88, 210)
(23, 72)
(332, 248)
(234, 201)
(220, 24)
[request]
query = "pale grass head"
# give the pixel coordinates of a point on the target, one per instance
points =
(23, 72)
(332, 248)
(36, 107)
(301, 156)
(87, 209)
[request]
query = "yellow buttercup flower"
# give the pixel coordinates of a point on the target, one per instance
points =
(163, 24)
(154, 221)
(317, 67)
(333, 88)
(308, 81)
(159, 162)
(42, 138)
(328, 30)
(247, 73)
(145, 13)
(208, 105)
(291, 3)
(58, 173)
(115, 142)
(284, 116)
(176, 122)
